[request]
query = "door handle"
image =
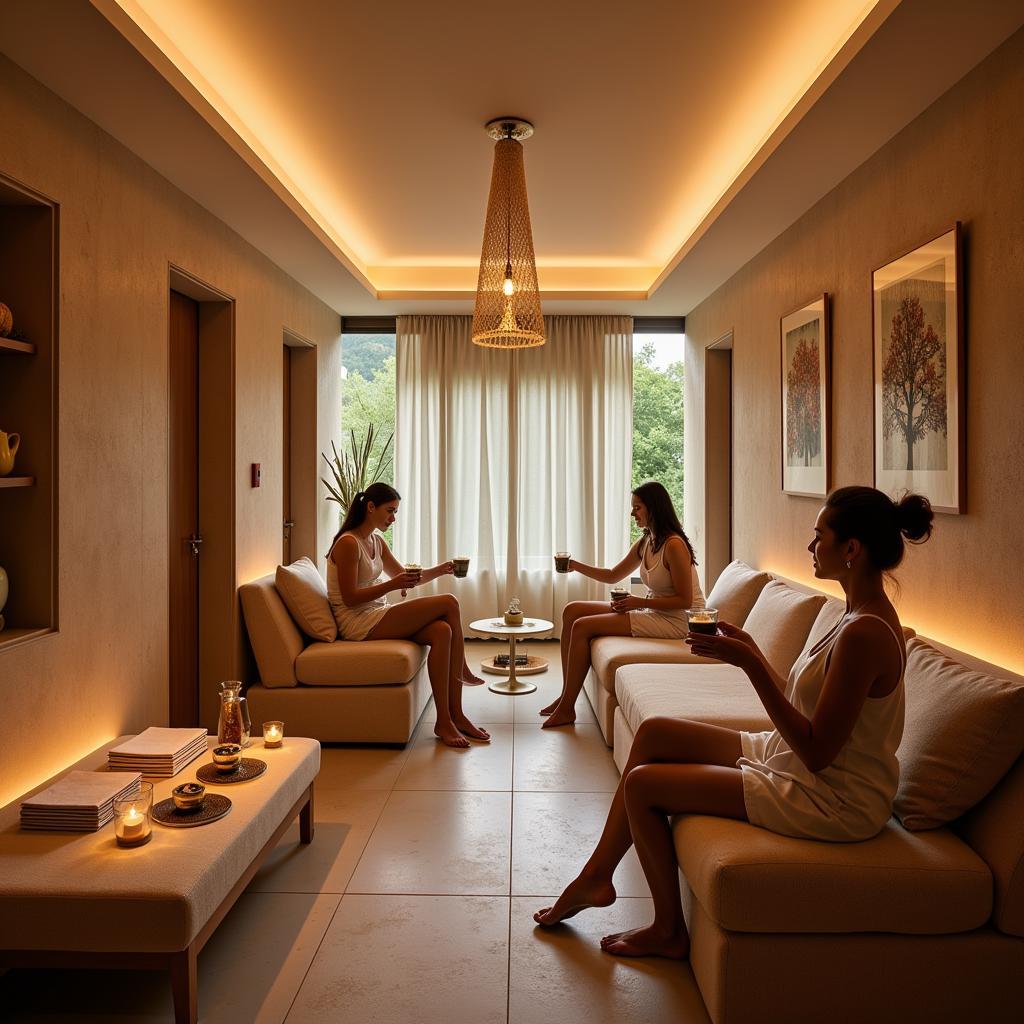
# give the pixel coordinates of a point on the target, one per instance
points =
(194, 543)
(288, 524)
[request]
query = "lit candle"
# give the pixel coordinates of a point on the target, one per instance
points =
(132, 824)
(273, 734)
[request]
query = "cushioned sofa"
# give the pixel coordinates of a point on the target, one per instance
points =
(923, 922)
(341, 691)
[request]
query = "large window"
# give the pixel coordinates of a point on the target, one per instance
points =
(658, 413)
(368, 400)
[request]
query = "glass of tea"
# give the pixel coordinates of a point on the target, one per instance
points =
(618, 593)
(460, 566)
(562, 561)
(702, 620)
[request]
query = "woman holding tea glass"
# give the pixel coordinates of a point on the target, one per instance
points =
(362, 571)
(828, 769)
(667, 567)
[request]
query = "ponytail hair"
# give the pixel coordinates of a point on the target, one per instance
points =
(879, 523)
(378, 494)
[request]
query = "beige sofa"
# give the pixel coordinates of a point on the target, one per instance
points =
(910, 925)
(337, 691)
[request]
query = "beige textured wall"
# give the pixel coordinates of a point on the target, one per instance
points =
(105, 673)
(960, 160)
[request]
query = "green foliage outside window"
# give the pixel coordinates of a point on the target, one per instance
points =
(657, 425)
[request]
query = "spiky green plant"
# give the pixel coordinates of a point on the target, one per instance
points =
(351, 469)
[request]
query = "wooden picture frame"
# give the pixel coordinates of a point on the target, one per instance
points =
(918, 369)
(806, 397)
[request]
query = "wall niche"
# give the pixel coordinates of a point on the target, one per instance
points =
(29, 225)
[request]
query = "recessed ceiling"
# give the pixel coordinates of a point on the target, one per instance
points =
(371, 116)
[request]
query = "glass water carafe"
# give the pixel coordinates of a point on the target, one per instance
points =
(233, 725)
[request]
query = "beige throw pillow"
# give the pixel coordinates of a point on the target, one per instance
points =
(780, 622)
(735, 592)
(304, 595)
(963, 732)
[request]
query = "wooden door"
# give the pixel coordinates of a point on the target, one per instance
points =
(286, 460)
(184, 537)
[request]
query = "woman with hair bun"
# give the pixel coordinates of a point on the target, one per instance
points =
(362, 571)
(828, 769)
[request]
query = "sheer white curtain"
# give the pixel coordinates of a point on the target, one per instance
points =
(510, 456)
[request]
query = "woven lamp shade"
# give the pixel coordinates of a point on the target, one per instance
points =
(501, 320)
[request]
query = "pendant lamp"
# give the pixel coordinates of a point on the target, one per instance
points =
(507, 313)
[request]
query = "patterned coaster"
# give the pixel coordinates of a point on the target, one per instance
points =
(214, 807)
(250, 768)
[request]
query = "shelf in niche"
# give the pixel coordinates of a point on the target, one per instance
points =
(17, 481)
(12, 637)
(13, 345)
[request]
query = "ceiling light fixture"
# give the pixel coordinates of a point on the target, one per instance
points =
(507, 312)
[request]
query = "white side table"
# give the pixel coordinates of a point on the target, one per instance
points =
(495, 627)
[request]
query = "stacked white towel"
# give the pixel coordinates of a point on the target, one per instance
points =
(158, 752)
(78, 802)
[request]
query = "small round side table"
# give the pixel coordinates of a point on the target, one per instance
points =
(496, 628)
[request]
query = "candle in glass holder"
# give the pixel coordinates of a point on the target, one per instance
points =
(133, 825)
(273, 734)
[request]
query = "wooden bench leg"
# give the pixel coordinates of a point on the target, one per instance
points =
(306, 819)
(184, 986)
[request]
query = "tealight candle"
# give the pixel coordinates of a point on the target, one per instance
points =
(132, 823)
(273, 734)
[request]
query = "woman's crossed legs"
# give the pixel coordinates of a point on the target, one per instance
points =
(436, 621)
(674, 767)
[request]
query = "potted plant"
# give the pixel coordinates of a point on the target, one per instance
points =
(351, 469)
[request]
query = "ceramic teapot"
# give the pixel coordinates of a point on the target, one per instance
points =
(8, 449)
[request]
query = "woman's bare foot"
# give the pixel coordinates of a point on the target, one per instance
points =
(560, 716)
(580, 894)
(647, 942)
(467, 728)
(450, 736)
(468, 679)
(551, 707)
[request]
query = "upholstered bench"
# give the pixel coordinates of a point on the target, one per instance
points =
(74, 899)
(340, 691)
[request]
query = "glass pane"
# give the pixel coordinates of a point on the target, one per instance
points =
(368, 400)
(658, 414)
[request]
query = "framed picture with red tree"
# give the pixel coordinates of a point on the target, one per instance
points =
(806, 400)
(919, 374)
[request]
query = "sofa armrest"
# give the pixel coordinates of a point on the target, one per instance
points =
(276, 640)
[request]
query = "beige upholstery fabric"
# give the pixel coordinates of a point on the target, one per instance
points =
(359, 663)
(750, 879)
(345, 714)
(830, 613)
(302, 589)
(735, 592)
(609, 653)
(719, 694)
(275, 639)
(780, 622)
(78, 892)
(875, 979)
(995, 829)
(964, 730)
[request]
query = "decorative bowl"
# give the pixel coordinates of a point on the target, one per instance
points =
(513, 618)
(189, 796)
(227, 757)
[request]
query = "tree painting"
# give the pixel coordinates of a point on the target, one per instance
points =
(803, 397)
(913, 377)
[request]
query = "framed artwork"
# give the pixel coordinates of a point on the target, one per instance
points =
(919, 374)
(806, 400)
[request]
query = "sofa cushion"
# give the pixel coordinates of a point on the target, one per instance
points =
(748, 879)
(302, 589)
(780, 622)
(963, 731)
(359, 663)
(609, 653)
(735, 591)
(276, 640)
(712, 692)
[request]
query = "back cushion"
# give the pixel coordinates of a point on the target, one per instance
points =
(963, 731)
(302, 589)
(735, 592)
(780, 621)
(831, 612)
